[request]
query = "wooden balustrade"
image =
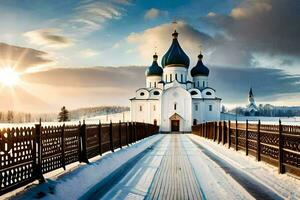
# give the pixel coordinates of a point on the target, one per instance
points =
(278, 145)
(27, 153)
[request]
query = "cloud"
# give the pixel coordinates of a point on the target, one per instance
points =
(22, 58)
(48, 37)
(124, 2)
(270, 85)
(87, 53)
(90, 77)
(90, 16)
(153, 13)
(160, 36)
(103, 85)
(262, 26)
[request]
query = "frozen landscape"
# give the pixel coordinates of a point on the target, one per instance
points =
(215, 173)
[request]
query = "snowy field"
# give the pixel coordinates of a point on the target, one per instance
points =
(115, 118)
(221, 173)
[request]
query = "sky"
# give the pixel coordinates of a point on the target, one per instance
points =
(95, 52)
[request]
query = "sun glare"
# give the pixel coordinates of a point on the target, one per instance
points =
(8, 77)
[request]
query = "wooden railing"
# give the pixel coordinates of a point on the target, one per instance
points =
(278, 145)
(27, 153)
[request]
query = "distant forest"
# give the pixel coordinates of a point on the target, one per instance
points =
(81, 113)
(268, 110)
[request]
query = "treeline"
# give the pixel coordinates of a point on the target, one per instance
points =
(96, 111)
(81, 113)
(269, 110)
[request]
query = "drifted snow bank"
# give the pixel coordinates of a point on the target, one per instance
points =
(75, 183)
(283, 184)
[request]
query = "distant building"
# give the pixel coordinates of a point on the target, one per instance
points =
(170, 99)
(252, 109)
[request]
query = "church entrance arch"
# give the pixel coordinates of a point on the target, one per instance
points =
(175, 120)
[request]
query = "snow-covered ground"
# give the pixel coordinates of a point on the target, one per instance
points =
(221, 173)
(75, 183)
(283, 184)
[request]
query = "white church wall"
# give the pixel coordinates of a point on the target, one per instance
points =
(197, 110)
(214, 113)
(152, 81)
(142, 93)
(193, 92)
(208, 93)
(155, 93)
(200, 81)
(145, 111)
(183, 101)
(170, 74)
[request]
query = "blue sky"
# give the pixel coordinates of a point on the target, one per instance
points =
(254, 42)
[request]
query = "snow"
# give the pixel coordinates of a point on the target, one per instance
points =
(216, 182)
(74, 184)
(283, 184)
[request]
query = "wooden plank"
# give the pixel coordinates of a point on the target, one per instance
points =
(175, 178)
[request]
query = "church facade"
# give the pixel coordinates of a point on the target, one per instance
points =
(176, 97)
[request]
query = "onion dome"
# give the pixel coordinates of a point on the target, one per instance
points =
(200, 69)
(175, 56)
(154, 69)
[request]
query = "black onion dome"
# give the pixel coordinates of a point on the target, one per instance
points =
(154, 69)
(175, 56)
(200, 69)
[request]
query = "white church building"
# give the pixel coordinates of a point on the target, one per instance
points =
(173, 98)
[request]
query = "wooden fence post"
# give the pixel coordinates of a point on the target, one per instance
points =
(280, 151)
(38, 140)
(83, 157)
(120, 135)
(229, 135)
(223, 132)
(236, 136)
(246, 138)
(258, 142)
(214, 133)
(126, 126)
(111, 136)
(135, 131)
(219, 131)
(63, 147)
(205, 130)
(100, 137)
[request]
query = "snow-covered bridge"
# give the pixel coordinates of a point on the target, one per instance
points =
(171, 166)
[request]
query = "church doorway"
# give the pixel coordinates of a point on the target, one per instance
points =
(175, 125)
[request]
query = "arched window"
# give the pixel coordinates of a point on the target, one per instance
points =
(195, 122)
(175, 106)
(154, 108)
(156, 93)
(203, 83)
(155, 84)
(142, 93)
(181, 77)
(155, 122)
(210, 107)
(194, 92)
(208, 93)
(141, 108)
(176, 77)
(198, 83)
(196, 107)
(170, 77)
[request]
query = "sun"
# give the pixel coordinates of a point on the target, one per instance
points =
(9, 77)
